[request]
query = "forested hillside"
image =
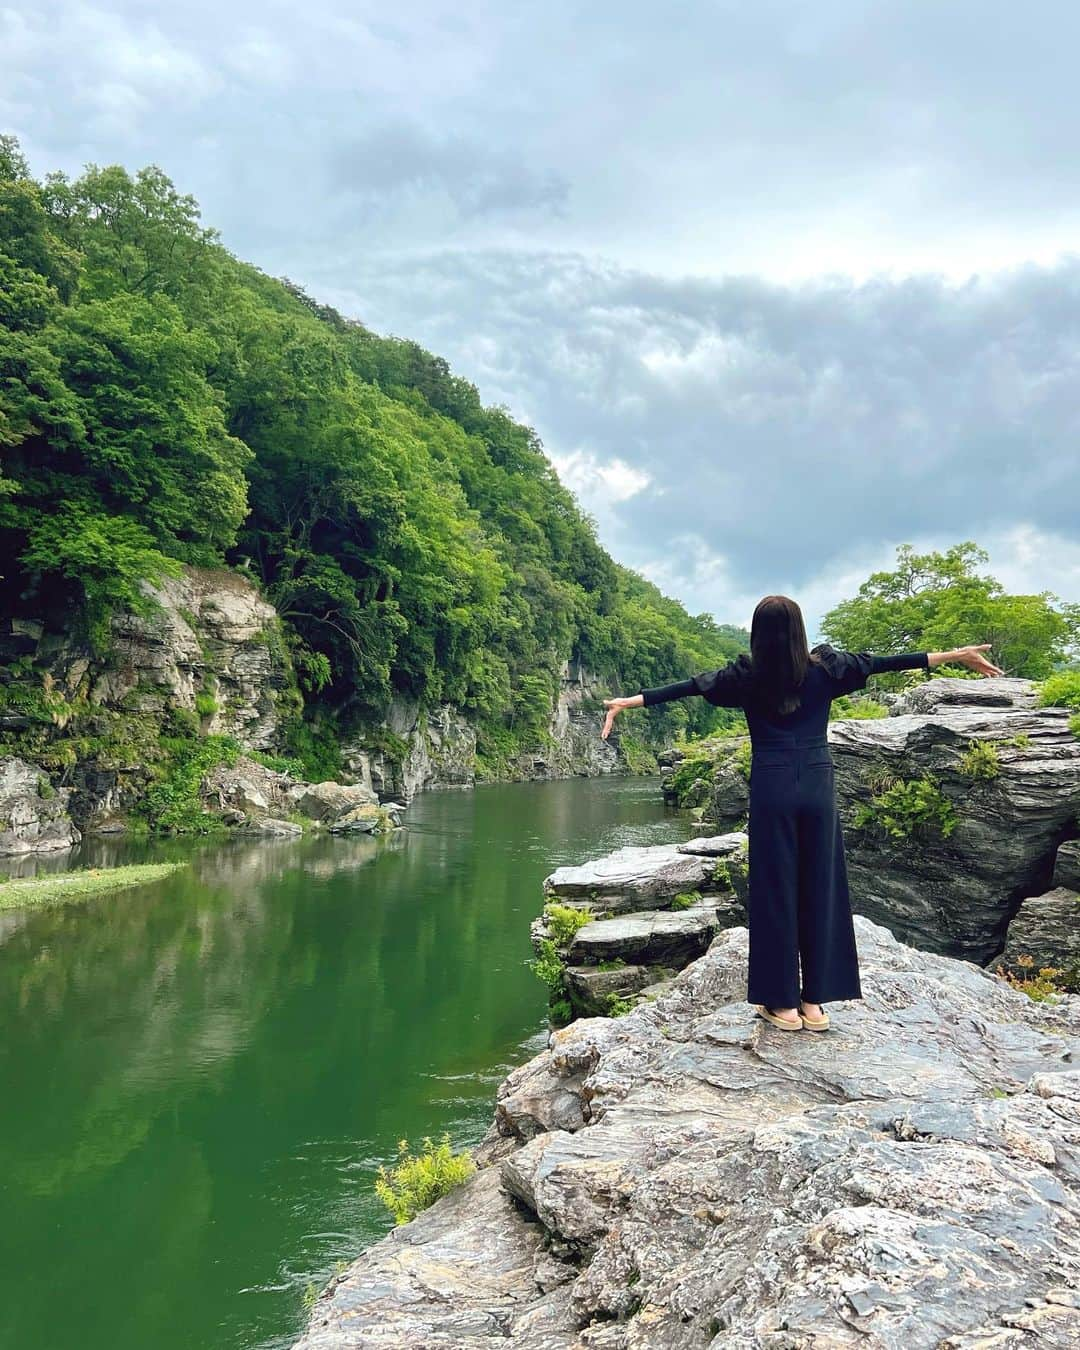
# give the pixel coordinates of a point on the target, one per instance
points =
(162, 403)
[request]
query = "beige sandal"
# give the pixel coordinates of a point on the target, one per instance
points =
(785, 1022)
(814, 1023)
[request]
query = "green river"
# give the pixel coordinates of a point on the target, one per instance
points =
(200, 1077)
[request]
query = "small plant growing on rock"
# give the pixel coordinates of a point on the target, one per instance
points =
(563, 922)
(685, 899)
(721, 874)
(1060, 691)
(980, 760)
(414, 1183)
(846, 708)
(1021, 740)
(909, 807)
(560, 1012)
(547, 966)
(616, 1005)
(616, 963)
(1042, 985)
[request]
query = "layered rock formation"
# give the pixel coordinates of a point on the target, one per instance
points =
(687, 1175)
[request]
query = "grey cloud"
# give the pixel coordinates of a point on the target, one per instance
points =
(787, 427)
(401, 157)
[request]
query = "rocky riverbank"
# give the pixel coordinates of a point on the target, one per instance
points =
(686, 1175)
(81, 732)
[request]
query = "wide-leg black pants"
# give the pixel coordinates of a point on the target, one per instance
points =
(799, 909)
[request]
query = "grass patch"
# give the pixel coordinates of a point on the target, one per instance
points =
(62, 887)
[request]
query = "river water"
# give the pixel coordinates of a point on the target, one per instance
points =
(200, 1077)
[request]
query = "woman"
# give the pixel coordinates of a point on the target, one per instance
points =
(799, 910)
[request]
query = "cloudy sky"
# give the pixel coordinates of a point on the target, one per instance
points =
(781, 284)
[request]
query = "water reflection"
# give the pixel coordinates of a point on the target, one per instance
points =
(198, 1078)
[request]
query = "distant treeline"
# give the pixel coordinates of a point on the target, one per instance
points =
(162, 402)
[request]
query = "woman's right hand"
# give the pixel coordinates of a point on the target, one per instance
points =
(614, 707)
(973, 658)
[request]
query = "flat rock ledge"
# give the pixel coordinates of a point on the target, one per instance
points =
(686, 1175)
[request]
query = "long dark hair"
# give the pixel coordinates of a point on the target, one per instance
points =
(779, 655)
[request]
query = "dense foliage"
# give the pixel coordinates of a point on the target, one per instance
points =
(938, 601)
(162, 402)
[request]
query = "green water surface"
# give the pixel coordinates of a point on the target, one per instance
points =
(199, 1078)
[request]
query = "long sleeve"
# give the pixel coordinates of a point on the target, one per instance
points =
(851, 670)
(722, 688)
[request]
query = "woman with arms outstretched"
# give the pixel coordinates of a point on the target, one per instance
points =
(799, 909)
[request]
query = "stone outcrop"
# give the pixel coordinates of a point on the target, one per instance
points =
(433, 748)
(208, 656)
(653, 908)
(687, 1175)
(33, 814)
(259, 800)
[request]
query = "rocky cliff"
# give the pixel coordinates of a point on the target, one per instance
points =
(686, 1175)
(208, 658)
(437, 748)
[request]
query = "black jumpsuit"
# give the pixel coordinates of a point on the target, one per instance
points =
(799, 907)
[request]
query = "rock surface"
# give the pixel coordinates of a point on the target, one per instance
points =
(33, 815)
(687, 1175)
(1046, 929)
(957, 894)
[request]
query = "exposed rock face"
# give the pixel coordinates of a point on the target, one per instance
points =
(211, 652)
(438, 749)
(687, 1175)
(1046, 929)
(33, 815)
(577, 747)
(957, 894)
(214, 634)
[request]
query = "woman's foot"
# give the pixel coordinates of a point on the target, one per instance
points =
(788, 1014)
(812, 1010)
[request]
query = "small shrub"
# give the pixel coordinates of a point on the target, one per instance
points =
(721, 874)
(980, 760)
(616, 963)
(1060, 691)
(688, 772)
(547, 966)
(1043, 985)
(1021, 740)
(617, 1006)
(846, 708)
(414, 1183)
(560, 1012)
(685, 899)
(563, 922)
(205, 705)
(907, 808)
(46, 791)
